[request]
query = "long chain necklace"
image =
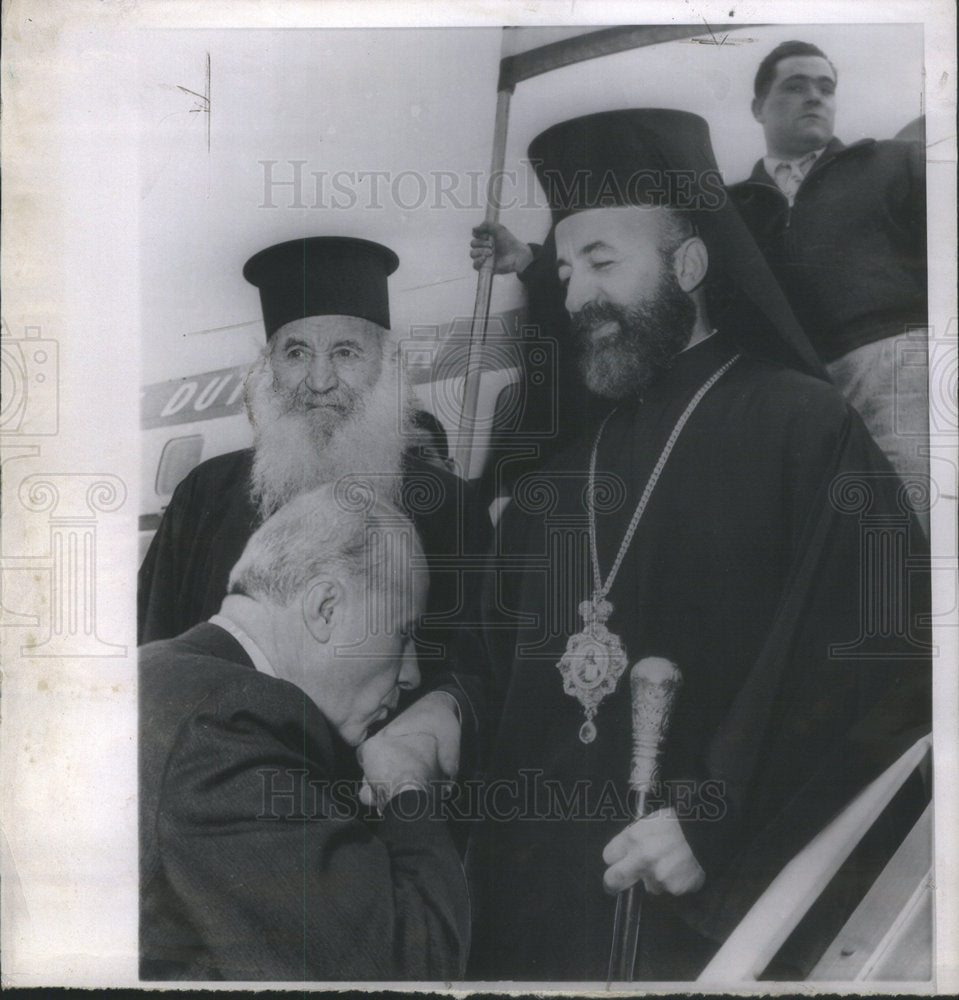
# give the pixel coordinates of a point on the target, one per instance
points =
(595, 658)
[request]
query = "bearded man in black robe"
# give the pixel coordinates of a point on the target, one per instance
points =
(731, 515)
(328, 403)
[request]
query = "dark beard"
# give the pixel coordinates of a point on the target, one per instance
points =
(650, 335)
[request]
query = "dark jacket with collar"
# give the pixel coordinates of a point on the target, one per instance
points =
(255, 863)
(851, 252)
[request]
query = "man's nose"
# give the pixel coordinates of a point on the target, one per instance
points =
(409, 670)
(579, 291)
(321, 376)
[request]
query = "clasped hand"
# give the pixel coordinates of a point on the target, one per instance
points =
(654, 851)
(494, 239)
(420, 746)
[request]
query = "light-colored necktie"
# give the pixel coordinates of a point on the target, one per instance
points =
(790, 174)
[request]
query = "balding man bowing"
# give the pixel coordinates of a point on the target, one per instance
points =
(257, 859)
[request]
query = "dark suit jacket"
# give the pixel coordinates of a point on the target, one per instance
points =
(254, 862)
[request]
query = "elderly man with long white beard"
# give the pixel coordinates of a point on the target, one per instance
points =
(328, 403)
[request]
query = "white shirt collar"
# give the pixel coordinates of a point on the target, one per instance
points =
(249, 645)
(771, 162)
(711, 333)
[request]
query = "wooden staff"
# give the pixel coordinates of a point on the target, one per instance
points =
(463, 446)
(654, 683)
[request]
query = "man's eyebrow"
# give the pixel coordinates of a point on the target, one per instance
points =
(808, 76)
(347, 342)
(596, 245)
(292, 342)
(588, 249)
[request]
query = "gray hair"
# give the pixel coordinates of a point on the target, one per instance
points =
(323, 531)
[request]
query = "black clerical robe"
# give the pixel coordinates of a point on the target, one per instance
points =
(256, 860)
(777, 567)
(211, 517)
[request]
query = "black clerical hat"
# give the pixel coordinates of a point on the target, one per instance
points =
(661, 157)
(322, 276)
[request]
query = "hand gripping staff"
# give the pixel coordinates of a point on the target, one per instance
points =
(654, 683)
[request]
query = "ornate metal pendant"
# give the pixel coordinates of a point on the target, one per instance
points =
(595, 659)
(593, 662)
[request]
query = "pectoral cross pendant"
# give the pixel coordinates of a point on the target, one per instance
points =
(593, 662)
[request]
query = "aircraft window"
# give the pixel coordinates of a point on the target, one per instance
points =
(180, 455)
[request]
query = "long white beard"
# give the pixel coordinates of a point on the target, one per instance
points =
(294, 450)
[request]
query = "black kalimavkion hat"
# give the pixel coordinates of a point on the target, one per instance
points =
(661, 157)
(322, 276)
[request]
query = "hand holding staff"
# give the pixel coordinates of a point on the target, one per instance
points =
(653, 849)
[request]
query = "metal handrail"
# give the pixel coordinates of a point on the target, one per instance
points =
(773, 917)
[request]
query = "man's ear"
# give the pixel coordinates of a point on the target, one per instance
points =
(757, 109)
(322, 607)
(690, 263)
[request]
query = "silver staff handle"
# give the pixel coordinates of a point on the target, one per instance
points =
(654, 683)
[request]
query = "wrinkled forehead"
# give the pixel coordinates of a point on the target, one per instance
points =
(321, 331)
(809, 67)
(620, 228)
